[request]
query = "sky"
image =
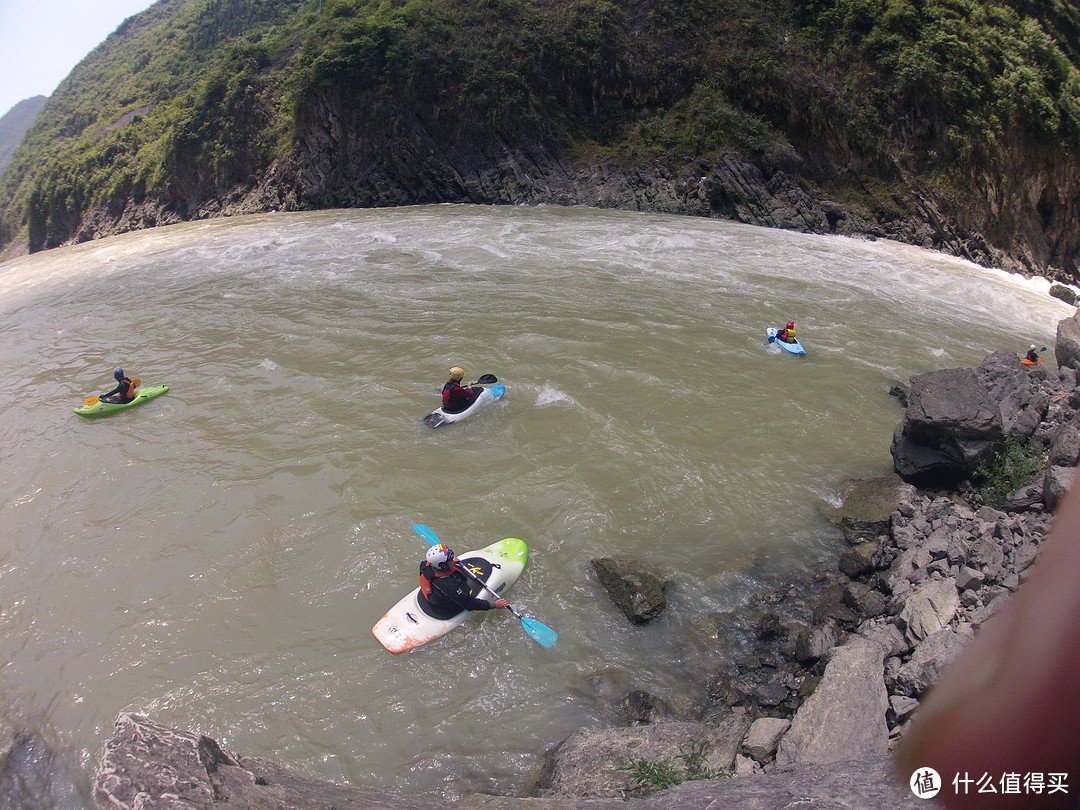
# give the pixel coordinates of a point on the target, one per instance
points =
(41, 41)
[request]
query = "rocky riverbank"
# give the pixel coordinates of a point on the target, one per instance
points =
(821, 678)
(926, 566)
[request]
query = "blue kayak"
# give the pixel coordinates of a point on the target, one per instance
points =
(793, 346)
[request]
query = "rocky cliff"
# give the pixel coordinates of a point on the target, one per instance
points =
(819, 117)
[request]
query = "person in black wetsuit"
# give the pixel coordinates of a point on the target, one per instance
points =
(455, 396)
(445, 590)
(124, 391)
(1032, 355)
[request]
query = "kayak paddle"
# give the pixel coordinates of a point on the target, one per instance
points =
(537, 631)
(486, 379)
(92, 400)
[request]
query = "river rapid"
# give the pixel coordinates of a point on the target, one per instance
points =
(216, 558)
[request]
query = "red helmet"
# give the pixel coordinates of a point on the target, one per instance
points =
(791, 324)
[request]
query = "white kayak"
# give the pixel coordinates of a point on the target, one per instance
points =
(406, 625)
(439, 417)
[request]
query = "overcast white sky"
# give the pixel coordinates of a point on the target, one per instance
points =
(42, 40)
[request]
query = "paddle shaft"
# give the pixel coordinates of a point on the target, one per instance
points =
(484, 585)
(534, 629)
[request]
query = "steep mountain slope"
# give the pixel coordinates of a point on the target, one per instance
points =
(14, 125)
(948, 123)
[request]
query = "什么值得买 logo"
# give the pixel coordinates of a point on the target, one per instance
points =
(925, 783)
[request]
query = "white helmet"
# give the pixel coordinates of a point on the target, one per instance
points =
(1032, 346)
(439, 556)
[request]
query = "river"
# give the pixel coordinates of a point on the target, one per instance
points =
(216, 558)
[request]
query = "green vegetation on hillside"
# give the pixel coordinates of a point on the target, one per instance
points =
(195, 98)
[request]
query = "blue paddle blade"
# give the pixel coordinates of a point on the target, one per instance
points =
(429, 536)
(539, 632)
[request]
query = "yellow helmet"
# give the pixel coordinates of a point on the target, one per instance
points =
(457, 373)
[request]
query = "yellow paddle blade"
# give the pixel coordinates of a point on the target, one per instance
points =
(92, 400)
(136, 383)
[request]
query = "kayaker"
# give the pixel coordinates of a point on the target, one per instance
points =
(455, 396)
(1032, 355)
(445, 590)
(124, 391)
(787, 334)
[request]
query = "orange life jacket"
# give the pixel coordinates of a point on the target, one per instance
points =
(426, 582)
(126, 393)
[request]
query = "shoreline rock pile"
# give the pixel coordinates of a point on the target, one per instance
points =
(924, 569)
(821, 677)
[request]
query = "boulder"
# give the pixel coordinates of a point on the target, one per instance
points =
(1065, 446)
(1027, 497)
(641, 708)
(949, 427)
(146, 765)
(858, 560)
(1063, 293)
(844, 719)
(866, 507)
(856, 785)
(1056, 482)
(930, 657)
(637, 592)
(902, 707)
(763, 737)
(930, 608)
(1067, 345)
(813, 643)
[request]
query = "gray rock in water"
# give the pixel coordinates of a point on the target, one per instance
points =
(867, 506)
(638, 593)
(34, 773)
(1063, 293)
(813, 643)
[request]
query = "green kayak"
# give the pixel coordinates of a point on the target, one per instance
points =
(102, 408)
